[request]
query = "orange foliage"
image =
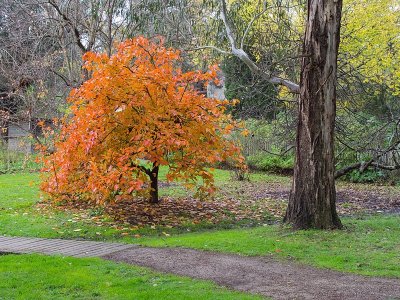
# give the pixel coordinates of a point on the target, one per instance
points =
(138, 111)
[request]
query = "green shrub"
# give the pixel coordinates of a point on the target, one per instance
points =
(271, 163)
(368, 176)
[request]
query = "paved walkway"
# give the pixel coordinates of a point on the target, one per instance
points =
(262, 275)
(61, 247)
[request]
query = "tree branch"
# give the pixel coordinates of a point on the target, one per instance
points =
(142, 168)
(69, 22)
(345, 170)
(251, 24)
(243, 56)
(63, 78)
(362, 166)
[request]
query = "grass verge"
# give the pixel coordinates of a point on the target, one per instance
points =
(44, 277)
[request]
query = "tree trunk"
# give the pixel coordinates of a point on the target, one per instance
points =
(154, 185)
(312, 202)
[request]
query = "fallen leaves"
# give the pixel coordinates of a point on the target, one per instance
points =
(235, 203)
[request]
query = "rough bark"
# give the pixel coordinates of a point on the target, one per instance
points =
(312, 202)
(154, 185)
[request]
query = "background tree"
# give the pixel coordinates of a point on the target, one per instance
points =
(28, 89)
(42, 42)
(368, 89)
(270, 38)
(136, 113)
(257, 98)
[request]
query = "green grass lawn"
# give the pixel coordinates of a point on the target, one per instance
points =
(19, 217)
(368, 245)
(43, 277)
(18, 190)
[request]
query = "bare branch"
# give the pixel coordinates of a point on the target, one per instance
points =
(250, 25)
(242, 55)
(63, 78)
(345, 170)
(362, 166)
(71, 24)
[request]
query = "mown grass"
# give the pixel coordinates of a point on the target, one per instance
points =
(19, 217)
(369, 245)
(42, 277)
(221, 177)
(18, 190)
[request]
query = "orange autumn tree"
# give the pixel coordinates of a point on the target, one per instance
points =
(137, 112)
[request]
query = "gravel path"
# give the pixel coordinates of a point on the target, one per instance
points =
(266, 276)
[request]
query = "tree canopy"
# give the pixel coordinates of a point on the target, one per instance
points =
(137, 112)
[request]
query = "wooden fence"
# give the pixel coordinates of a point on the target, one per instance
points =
(253, 145)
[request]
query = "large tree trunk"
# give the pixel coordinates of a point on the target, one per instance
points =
(312, 202)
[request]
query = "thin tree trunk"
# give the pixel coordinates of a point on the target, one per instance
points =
(154, 185)
(312, 202)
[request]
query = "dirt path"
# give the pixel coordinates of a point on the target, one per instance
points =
(261, 275)
(265, 276)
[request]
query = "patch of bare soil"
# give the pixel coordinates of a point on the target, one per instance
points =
(368, 198)
(265, 276)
